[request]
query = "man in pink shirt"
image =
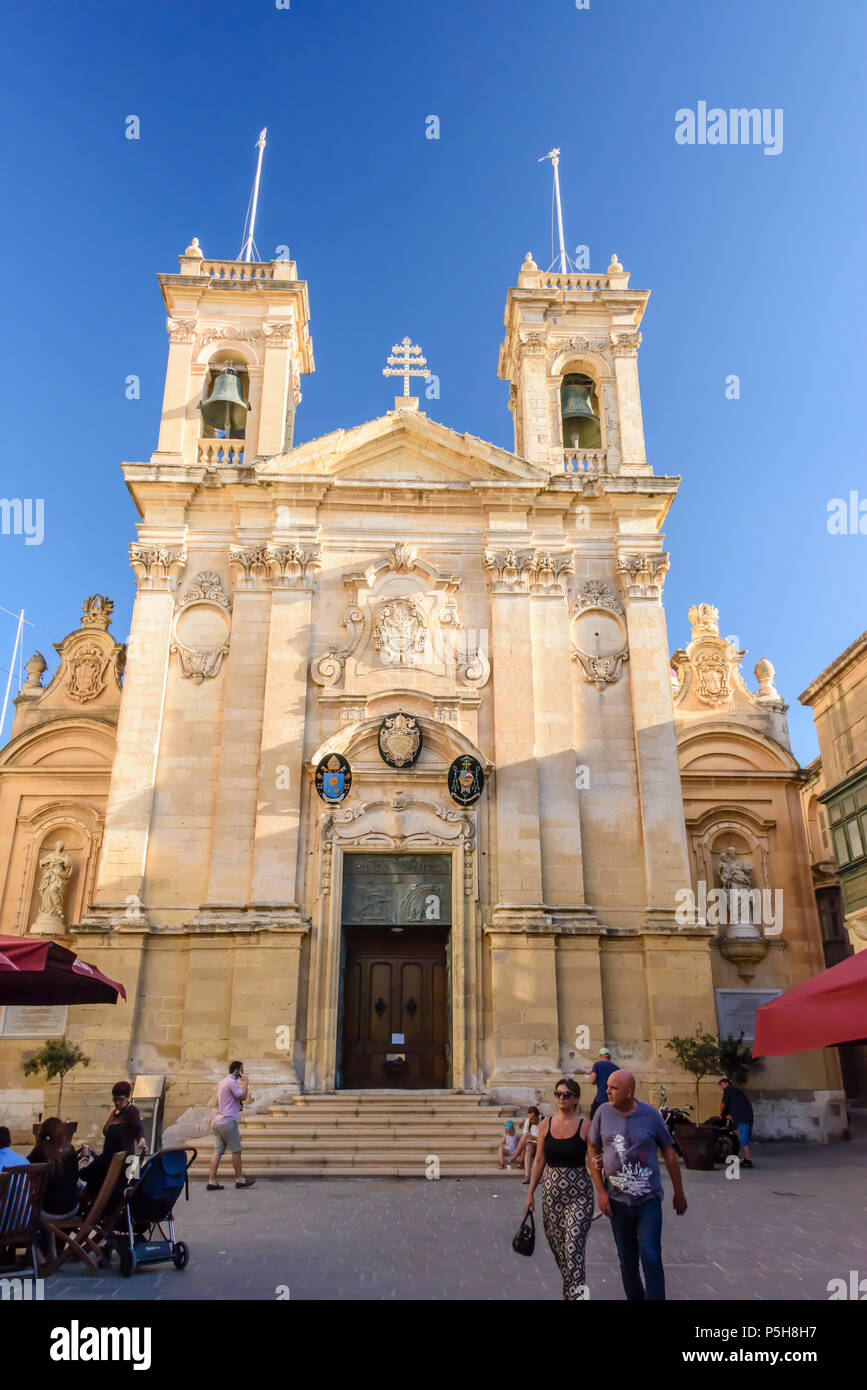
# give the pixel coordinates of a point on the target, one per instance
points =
(231, 1092)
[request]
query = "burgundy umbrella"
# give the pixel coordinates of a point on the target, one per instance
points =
(36, 970)
(825, 1011)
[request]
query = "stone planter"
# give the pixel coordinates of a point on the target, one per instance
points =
(697, 1145)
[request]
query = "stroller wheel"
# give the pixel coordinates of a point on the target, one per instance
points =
(180, 1255)
(127, 1262)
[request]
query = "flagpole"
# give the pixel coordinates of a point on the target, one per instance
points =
(11, 669)
(554, 156)
(247, 252)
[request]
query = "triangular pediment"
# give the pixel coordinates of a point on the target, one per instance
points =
(403, 446)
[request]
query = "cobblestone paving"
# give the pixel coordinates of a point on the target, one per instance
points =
(780, 1231)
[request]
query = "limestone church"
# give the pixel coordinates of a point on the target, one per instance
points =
(397, 783)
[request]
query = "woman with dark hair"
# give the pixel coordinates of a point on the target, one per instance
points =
(122, 1106)
(567, 1189)
(61, 1191)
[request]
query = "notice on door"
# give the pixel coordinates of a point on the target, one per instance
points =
(397, 1039)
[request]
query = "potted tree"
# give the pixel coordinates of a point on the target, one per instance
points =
(699, 1055)
(56, 1057)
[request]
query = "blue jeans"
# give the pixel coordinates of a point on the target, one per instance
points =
(638, 1236)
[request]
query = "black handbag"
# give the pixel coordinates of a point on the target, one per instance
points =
(524, 1243)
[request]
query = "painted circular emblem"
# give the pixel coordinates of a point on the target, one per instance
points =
(333, 778)
(399, 740)
(466, 780)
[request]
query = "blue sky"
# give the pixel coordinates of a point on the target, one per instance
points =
(754, 261)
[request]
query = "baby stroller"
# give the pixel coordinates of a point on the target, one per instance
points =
(146, 1207)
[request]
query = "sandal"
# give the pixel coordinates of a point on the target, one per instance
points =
(248, 1182)
(214, 1187)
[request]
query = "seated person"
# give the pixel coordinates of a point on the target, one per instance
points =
(508, 1149)
(61, 1191)
(127, 1138)
(122, 1106)
(8, 1157)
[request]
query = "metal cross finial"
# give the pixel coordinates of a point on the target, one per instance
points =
(406, 361)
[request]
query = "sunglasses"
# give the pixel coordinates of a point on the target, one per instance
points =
(564, 1095)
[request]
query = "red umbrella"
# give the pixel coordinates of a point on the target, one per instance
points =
(829, 1009)
(37, 970)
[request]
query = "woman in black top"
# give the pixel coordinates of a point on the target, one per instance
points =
(61, 1192)
(567, 1189)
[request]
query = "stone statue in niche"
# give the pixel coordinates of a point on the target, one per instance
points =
(735, 876)
(56, 868)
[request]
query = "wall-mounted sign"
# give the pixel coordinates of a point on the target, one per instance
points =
(333, 778)
(399, 740)
(466, 780)
(736, 1010)
(33, 1021)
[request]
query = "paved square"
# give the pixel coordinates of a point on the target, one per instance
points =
(781, 1231)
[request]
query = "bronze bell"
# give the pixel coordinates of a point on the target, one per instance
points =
(581, 428)
(225, 408)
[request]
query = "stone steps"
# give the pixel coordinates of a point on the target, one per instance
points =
(372, 1134)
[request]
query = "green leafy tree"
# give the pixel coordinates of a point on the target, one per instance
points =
(735, 1058)
(698, 1054)
(57, 1057)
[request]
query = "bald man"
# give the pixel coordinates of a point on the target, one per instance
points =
(623, 1141)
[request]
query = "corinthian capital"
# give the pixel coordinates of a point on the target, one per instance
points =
(270, 566)
(157, 566)
(642, 575)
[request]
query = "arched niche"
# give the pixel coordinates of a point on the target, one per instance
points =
(78, 829)
(603, 399)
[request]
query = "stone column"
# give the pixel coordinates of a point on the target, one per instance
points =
(625, 353)
(580, 1011)
(276, 385)
(519, 860)
(524, 1008)
(679, 984)
(130, 798)
(237, 793)
(106, 1033)
(278, 818)
(532, 398)
(662, 817)
(175, 397)
(263, 1019)
(554, 724)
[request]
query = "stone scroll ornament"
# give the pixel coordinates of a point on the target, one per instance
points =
(399, 740)
(333, 779)
(466, 780)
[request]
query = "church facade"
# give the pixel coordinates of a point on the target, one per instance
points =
(400, 786)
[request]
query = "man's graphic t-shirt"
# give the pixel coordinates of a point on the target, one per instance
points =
(629, 1151)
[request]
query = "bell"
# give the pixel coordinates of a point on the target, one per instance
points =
(581, 428)
(225, 408)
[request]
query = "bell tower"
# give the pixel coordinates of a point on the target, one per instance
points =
(239, 343)
(571, 355)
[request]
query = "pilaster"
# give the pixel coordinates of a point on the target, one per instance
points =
(641, 577)
(278, 818)
(130, 802)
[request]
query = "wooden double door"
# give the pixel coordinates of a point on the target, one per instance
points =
(395, 1007)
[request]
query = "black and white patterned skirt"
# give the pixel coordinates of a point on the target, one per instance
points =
(567, 1210)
